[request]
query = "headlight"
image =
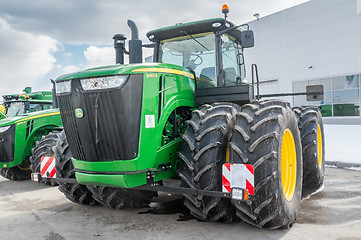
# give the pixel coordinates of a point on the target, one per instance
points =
(63, 87)
(4, 129)
(103, 82)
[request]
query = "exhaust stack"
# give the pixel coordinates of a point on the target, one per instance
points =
(135, 44)
(53, 93)
(119, 46)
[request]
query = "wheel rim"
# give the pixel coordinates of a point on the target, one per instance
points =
(288, 164)
(319, 146)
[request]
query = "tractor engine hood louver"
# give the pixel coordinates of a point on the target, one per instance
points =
(103, 125)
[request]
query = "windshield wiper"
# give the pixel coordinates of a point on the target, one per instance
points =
(196, 40)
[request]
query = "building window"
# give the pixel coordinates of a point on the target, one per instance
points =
(341, 95)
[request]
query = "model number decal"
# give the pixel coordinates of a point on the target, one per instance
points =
(19, 123)
(149, 121)
(152, 75)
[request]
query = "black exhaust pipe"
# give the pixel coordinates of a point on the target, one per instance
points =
(134, 29)
(135, 45)
(119, 46)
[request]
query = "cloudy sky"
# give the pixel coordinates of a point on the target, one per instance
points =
(42, 39)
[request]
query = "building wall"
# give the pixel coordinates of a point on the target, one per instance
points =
(316, 42)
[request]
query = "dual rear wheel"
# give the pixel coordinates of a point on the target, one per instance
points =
(265, 134)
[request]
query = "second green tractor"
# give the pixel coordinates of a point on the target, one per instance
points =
(29, 116)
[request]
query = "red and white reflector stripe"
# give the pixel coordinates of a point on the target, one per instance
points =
(237, 176)
(47, 167)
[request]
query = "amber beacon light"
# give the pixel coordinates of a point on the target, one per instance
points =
(225, 9)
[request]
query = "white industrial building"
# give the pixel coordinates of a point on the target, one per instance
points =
(317, 42)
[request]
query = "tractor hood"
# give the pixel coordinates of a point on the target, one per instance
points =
(127, 69)
(24, 117)
(103, 124)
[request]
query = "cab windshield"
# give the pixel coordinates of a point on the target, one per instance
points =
(15, 108)
(199, 54)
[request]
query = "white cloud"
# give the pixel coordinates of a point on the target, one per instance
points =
(102, 56)
(25, 58)
(99, 56)
(95, 22)
(71, 68)
(32, 31)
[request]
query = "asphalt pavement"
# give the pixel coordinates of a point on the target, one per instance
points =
(30, 210)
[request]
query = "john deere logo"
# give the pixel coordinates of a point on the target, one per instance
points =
(79, 113)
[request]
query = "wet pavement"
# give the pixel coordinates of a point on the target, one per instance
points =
(337, 202)
(34, 211)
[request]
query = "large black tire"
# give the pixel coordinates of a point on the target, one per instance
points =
(313, 146)
(121, 198)
(17, 173)
(260, 131)
(202, 154)
(44, 147)
(77, 193)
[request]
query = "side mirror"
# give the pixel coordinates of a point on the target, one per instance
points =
(314, 93)
(247, 39)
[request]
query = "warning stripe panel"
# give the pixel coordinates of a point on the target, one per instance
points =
(47, 167)
(45, 163)
(241, 174)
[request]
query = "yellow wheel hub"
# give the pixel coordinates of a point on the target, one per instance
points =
(288, 164)
(24, 167)
(319, 146)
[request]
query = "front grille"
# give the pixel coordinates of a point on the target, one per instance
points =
(7, 141)
(109, 128)
(70, 128)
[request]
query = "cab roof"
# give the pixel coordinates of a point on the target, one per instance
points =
(190, 28)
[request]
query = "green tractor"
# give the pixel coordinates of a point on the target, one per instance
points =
(17, 104)
(187, 123)
(29, 116)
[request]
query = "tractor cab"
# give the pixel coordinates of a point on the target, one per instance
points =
(213, 50)
(27, 102)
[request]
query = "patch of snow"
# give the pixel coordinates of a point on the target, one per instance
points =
(330, 166)
(343, 143)
(354, 168)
